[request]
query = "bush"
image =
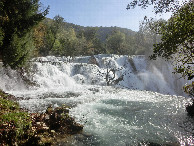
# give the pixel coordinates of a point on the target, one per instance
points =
(15, 124)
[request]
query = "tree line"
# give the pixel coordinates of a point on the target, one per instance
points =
(25, 32)
(57, 37)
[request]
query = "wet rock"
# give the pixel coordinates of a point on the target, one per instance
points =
(7, 96)
(190, 109)
(58, 120)
(86, 134)
(61, 110)
(79, 137)
(41, 128)
(47, 117)
(54, 125)
(49, 110)
(53, 132)
(93, 60)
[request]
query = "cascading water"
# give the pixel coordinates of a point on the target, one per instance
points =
(143, 106)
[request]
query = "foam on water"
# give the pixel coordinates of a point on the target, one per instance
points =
(133, 112)
(137, 71)
(118, 119)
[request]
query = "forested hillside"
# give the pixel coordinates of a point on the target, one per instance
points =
(60, 38)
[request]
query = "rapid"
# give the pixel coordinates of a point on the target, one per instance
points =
(143, 104)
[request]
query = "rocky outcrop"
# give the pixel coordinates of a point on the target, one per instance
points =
(57, 120)
(190, 109)
(93, 60)
(18, 127)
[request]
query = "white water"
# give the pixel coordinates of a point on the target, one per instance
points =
(136, 110)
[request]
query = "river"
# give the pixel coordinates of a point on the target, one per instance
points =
(144, 104)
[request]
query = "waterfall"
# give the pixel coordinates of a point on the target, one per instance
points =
(137, 73)
(143, 104)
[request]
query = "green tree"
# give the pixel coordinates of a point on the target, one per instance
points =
(51, 33)
(130, 45)
(160, 6)
(90, 33)
(55, 28)
(99, 47)
(146, 37)
(115, 43)
(140, 42)
(177, 34)
(93, 45)
(1, 41)
(17, 20)
(39, 35)
(1, 36)
(177, 40)
(67, 43)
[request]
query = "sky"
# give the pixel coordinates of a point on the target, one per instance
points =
(99, 12)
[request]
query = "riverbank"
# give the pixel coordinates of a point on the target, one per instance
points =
(18, 127)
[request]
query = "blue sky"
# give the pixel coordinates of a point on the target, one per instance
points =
(98, 12)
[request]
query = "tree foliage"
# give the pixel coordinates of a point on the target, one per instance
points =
(60, 38)
(54, 29)
(115, 42)
(177, 41)
(39, 34)
(67, 43)
(147, 36)
(17, 19)
(49, 31)
(160, 6)
(189, 89)
(177, 34)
